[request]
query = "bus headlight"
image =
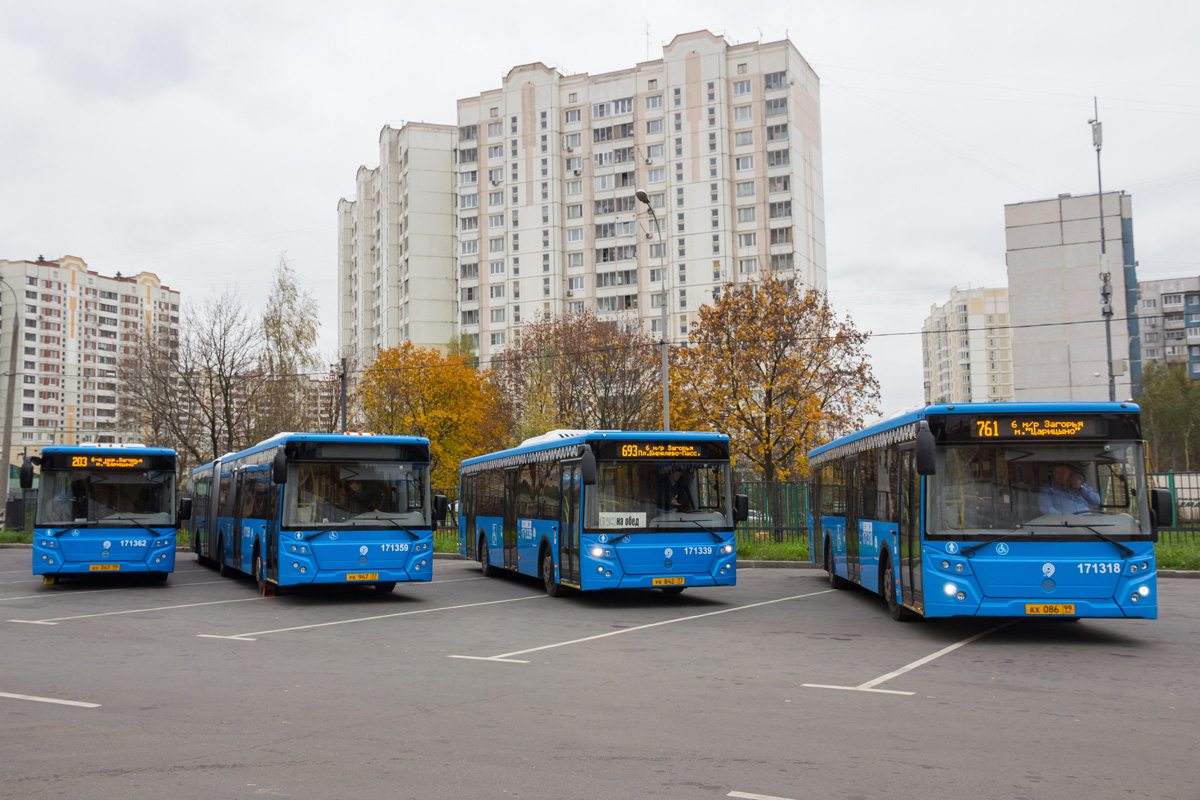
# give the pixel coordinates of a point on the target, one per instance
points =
(597, 552)
(295, 565)
(1145, 565)
(945, 565)
(600, 569)
(949, 589)
(1144, 591)
(958, 567)
(727, 549)
(961, 596)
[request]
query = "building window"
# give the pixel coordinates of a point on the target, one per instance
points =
(743, 163)
(741, 113)
(745, 189)
(741, 87)
(775, 80)
(571, 115)
(777, 106)
(653, 101)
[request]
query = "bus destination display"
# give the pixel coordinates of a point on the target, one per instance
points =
(109, 462)
(664, 451)
(1035, 428)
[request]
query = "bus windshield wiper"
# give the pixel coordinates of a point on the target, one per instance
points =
(701, 526)
(64, 530)
(135, 522)
(312, 536)
(966, 551)
(1125, 551)
(398, 526)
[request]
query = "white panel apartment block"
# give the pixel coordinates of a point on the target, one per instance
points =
(395, 246)
(725, 139)
(966, 348)
(1059, 350)
(76, 326)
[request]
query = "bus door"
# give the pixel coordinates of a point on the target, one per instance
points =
(466, 507)
(510, 517)
(911, 590)
(568, 526)
(271, 556)
(853, 501)
(239, 501)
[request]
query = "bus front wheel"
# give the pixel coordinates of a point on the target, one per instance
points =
(383, 587)
(552, 587)
(485, 564)
(223, 569)
(834, 580)
(898, 611)
(259, 578)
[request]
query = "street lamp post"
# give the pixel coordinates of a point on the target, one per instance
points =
(10, 398)
(666, 383)
(1106, 308)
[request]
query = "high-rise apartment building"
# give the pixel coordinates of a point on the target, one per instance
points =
(724, 139)
(1059, 343)
(966, 348)
(1169, 322)
(396, 268)
(75, 326)
(528, 206)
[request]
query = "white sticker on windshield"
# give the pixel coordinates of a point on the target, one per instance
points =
(630, 519)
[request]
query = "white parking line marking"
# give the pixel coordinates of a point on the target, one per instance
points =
(55, 594)
(36, 699)
(508, 657)
(870, 685)
(56, 620)
(748, 796)
(248, 637)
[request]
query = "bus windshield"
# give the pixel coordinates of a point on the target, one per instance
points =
(75, 497)
(354, 493)
(643, 495)
(1062, 490)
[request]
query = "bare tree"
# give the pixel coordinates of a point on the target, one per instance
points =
(289, 338)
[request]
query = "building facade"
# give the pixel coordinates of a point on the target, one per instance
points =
(966, 348)
(724, 140)
(1059, 342)
(1169, 322)
(528, 206)
(396, 266)
(75, 327)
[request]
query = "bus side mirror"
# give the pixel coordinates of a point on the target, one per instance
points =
(1162, 511)
(926, 459)
(27, 474)
(279, 468)
(741, 508)
(441, 504)
(587, 468)
(185, 508)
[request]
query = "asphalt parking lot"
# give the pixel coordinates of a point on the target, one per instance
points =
(468, 687)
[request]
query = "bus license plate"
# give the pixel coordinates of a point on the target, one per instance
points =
(363, 576)
(1067, 609)
(104, 567)
(666, 582)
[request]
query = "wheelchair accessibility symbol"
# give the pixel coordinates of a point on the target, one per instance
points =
(1002, 549)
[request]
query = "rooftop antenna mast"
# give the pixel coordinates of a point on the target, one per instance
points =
(647, 41)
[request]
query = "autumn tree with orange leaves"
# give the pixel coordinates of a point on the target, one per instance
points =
(775, 368)
(414, 391)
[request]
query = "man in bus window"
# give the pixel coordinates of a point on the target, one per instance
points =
(679, 498)
(1066, 492)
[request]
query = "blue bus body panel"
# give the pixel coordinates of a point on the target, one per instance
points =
(95, 551)
(344, 556)
(1000, 578)
(638, 560)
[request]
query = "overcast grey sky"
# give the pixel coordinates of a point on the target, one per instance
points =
(200, 141)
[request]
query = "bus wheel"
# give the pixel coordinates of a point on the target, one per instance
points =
(157, 577)
(552, 588)
(485, 564)
(383, 587)
(834, 580)
(224, 569)
(898, 612)
(673, 589)
(258, 571)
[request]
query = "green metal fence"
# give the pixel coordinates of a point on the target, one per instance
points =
(1185, 496)
(778, 511)
(445, 538)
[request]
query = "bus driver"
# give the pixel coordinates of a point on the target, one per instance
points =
(1067, 493)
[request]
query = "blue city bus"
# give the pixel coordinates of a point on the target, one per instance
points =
(103, 509)
(997, 510)
(604, 510)
(313, 508)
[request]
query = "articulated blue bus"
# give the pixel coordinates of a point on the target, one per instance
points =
(998, 509)
(309, 508)
(604, 510)
(103, 509)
